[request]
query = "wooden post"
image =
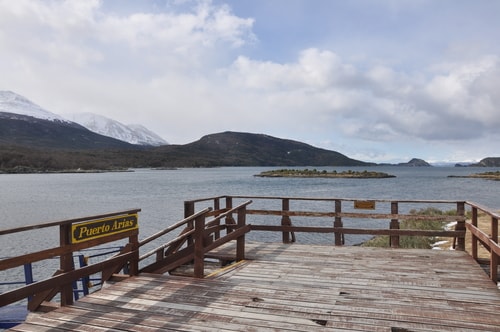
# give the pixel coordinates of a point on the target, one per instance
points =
(285, 219)
(189, 211)
(240, 242)
(199, 256)
(339, 237)
(394, 239)
(217, 208)
(494, 256)
(134, 262)
(66, 264)
(229, 217)
(188, 208)
(460, 226)
(474, 247)
(160, 253)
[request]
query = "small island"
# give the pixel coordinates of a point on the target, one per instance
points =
(314, 173)
(485, 175)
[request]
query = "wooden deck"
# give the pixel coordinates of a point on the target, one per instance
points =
(297, 288)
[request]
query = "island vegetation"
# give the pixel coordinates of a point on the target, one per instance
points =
(314, 173)
(486, 175)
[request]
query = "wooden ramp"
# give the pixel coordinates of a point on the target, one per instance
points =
(297, 288)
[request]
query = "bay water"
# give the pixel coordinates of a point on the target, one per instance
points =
(27, 199)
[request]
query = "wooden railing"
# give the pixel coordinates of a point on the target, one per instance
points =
(75, 234)
(215, 225)
(488, 239)
(201, 233)
(337, 214)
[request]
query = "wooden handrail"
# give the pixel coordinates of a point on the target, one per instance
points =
(357, 215)
(367, 231)
(173, 227)
(166, 245)
(12, 262)
(64, 222)
(75, 235)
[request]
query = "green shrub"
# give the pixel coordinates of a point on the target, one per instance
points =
(415, 242)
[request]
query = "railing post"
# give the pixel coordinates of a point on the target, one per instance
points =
(474, 247)
(66, 264)
(189, 211)
(339, 237)
(160, 253)
(134, 248)
(394, 239)
(28, 276)
(285, 220)
(229, 217)
(217, 208)
(199, 255)
(494, 256)
(240, 241)
(188, 208)
(460, 226)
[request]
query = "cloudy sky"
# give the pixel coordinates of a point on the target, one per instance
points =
(377, 80)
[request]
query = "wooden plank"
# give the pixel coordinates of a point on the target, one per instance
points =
(302, 287)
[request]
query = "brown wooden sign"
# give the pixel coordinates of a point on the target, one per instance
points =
(103, 227)
(364, 205)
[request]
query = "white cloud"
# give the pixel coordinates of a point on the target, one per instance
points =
(379, 104)
(191, 70)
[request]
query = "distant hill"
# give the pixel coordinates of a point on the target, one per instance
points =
(247, 149)
(488, 162)
(41, 147)
(415, 162)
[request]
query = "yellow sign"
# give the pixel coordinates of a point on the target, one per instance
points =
(365, 205)
(103, 227)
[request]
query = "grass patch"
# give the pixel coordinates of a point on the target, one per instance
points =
(414, 242)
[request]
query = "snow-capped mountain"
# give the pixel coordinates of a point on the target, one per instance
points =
(11, 102)
(134, 134)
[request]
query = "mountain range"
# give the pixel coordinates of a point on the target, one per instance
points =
(33, 137)
(35, 140)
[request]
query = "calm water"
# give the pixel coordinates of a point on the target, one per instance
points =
(34, 198)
